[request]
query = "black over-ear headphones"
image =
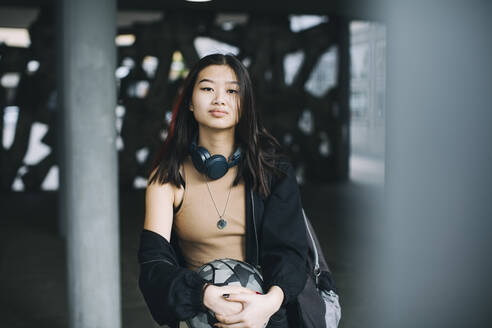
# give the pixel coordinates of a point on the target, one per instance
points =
(215, 166)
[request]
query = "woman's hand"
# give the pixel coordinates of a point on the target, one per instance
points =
(214, 300)
(257, 309)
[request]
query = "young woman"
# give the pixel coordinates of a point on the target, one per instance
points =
(201, 206)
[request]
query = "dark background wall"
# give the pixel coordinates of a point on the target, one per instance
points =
(429, 253)
(147, 88)
(306, 106)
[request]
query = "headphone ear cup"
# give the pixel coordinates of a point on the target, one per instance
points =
(216, 166)
(200, 157)
(235, 157)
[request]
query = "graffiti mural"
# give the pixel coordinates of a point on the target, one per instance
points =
(300, 75)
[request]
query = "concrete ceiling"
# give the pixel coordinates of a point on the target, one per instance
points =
(19, 13)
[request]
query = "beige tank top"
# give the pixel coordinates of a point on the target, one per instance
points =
(195, 221)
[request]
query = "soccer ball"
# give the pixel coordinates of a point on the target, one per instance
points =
(226, 272)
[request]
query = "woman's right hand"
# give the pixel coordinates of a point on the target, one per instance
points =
(213, 299)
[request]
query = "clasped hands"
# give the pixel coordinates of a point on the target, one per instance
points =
(239, 307)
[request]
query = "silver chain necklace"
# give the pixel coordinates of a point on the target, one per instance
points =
(221, 223)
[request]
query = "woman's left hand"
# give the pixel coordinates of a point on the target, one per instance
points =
(257, 309)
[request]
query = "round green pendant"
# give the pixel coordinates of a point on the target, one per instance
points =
(221, 224)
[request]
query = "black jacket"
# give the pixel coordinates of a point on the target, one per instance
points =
(173, 293)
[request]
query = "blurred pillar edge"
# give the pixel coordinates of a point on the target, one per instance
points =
(432, 264)
(89, 217)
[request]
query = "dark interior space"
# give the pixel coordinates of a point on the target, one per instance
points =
(383, 108)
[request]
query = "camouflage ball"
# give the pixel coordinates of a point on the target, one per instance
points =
(226, 272)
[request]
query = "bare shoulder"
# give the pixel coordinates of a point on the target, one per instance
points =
(159, 200)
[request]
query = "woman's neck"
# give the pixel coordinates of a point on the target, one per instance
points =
(217, 142)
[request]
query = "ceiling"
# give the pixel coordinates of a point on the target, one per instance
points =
(19, 13)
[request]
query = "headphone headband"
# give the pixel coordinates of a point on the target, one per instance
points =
(215, 166)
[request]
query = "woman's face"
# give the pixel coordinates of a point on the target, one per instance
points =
(215, 101)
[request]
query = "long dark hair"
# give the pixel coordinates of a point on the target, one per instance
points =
(260, 150)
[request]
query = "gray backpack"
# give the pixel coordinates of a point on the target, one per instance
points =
(318, 302)
(319, 306)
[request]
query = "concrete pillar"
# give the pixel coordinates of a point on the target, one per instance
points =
(433, 263)
(89, 164)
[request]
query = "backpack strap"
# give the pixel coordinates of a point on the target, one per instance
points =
(256, 264)
(316, 268)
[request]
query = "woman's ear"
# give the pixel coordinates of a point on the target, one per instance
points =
(191, 107)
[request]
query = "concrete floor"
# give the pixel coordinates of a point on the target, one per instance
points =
(32, 254)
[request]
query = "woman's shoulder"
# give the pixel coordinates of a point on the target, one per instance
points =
(165, 188)
(158, 190)
(162, 175)
(285, 166)
(284, 176)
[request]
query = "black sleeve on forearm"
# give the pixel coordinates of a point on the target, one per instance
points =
(172, 293)
(283, 243)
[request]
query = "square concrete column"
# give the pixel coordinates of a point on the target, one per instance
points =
(88, 170)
